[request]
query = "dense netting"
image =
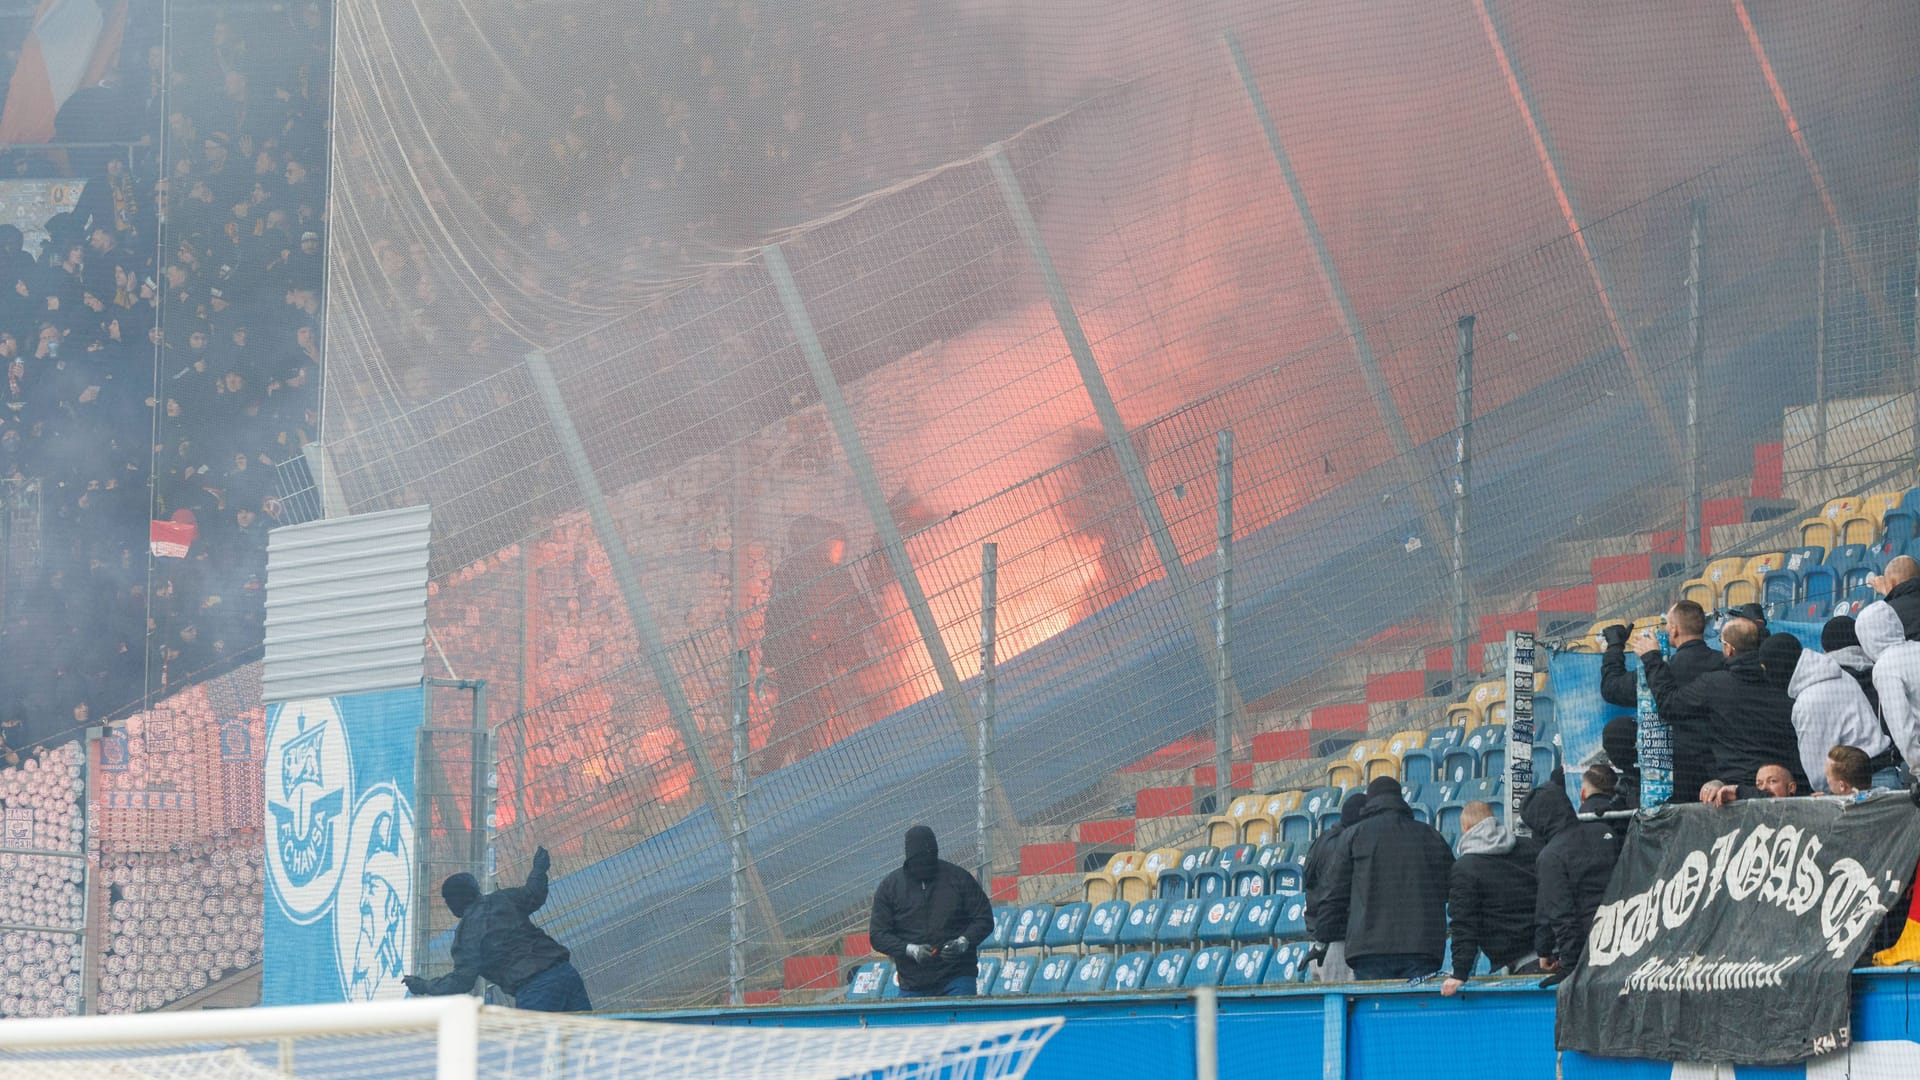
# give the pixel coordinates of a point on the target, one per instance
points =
(40, 802)
(163, 355)
(1261, 219)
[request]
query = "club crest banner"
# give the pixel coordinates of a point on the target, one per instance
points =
(1728, 934)
(340, 847)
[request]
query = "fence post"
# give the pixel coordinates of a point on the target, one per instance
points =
(1820, 357)
(652, 644)
(1696, 382)
(1462, 499)
(1223, 630)
(737, 877)
(989, 703)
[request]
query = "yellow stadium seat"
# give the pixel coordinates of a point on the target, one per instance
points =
(1351, 770)
(1224, 830)
(1707, 589)
(1402, 741)
(1382, 762)
(1863, 526)
(1463, 714)
(1744, 587)
(1282, 802)
(1139, 882)
(1103, 885)
(1823, 530)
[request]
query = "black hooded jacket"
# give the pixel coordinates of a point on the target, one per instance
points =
(1692, 760)
(496, 939)
(1388, 883)
(1318, 871)
(1490, 901)
(1744, 717)
(1904, 599)
(929, 901)
(1575, 864)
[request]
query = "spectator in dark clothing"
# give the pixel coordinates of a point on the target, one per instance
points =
(1900, 584)
(1745, 719)
(1490, 900)
(1620, 738)
(1389, 886)
(497, 940)
(929, 916)
(1329, 952)
(1575, 863)
(1686, 624)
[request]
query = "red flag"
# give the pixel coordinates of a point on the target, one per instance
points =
(171, 539)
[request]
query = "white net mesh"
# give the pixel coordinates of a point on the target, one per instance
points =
(514, 1044)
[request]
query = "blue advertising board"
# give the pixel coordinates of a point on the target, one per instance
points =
(340, 846)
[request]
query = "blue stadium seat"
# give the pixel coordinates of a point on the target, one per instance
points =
(1801, 559)
(1256, 918)
(1207, 967)
(1296, 828)
(1069, 922)
(1218, 918)
(1292, 920)
(870, 981)
(1030, 927)
(1289, 876)
(1447, 820)
(1015, 974)
(1900, 527)
(1173, 884)
(1168, 970)
(1287, 965)
(1052, 975)
(1002, 929)
(1129, 971)
(1844, 557)
(1327, 820)
(1090, 974)
(989, 971)
(1248, 964)
(1457, 765)
(1198, 858)
(1250, 880)
(1103, 925)
(1780, 586)
(1143, 923)
(1422, 796)
(1269, 854)
(1419, 766)
(1546, 757)
(1236, 856)
(1440, 740)
(1493, 761)
(1209, 882)
(1318, 801)
(1177, 926)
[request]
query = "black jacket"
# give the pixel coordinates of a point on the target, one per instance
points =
(1746, 721)
(1490, 902)
(1904, 599)
(1574, 866)
(496, 939)
(1388, 883)
(1692, 759)
(931, 907)
(1321, 924)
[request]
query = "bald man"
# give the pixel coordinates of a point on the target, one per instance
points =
(1744, 715)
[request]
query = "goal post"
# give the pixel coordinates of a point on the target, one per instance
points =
(458, 1038)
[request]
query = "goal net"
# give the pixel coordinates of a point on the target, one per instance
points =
(459, 1039)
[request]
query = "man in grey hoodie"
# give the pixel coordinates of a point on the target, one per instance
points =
(1490, 897)
(1830, 710)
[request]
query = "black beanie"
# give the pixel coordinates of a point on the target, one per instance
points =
(1839, 633)
(1621, 740)
(1351, 809)
(1383, 785)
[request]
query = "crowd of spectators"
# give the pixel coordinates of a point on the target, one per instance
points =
(161, 354)
(1762, 717)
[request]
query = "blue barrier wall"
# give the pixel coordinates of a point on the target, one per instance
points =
(1493, 1029)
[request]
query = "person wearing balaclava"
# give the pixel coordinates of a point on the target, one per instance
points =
(1620, 738)
(1328, 957)
(497, 940)
(929, 917)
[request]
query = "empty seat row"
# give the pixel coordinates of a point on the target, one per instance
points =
(1173, 969)
(1156, 922)
(1856, 519)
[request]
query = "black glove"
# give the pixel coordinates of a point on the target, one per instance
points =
(1555, 979)
(957, 947)
(1317, 954)
(1617, 635)
(541, 860)
(415, 985)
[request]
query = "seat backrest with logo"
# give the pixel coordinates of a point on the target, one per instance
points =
(1103, 924)
(1130, 971)
(1248, 964)
(1069, 921)
(1015, 975)
(1167, 970)
(1218, 918)
(989, 972)
(1030, 927)
(870, 981)
(1090, 974)
(1002, 929)
(1143, 923)
(1292, 919)
(1052, 974)
(1177, 926)
(1208, 966)
(1257, 917)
